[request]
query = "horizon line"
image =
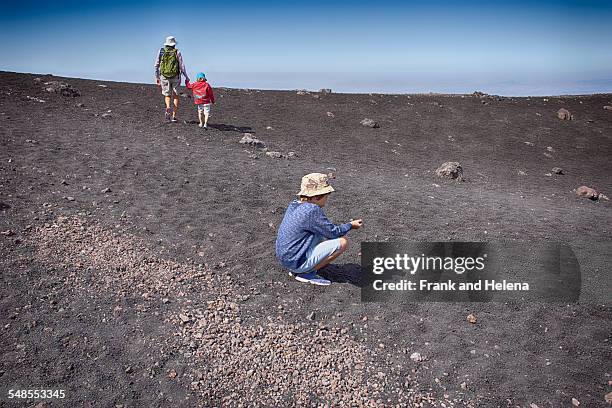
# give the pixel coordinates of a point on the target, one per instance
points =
(311, 90)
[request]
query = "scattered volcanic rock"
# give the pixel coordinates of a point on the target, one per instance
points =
(557, 170)
(302, 92)
(471, 318)
(35, 99)
(451, 170)
(608, 107)
(587, 192)
(62, 88)
(4, 206)
(325, 91)
(564, 114)
(220, 347)
(248, 139)
(331, 115)
(369, 123)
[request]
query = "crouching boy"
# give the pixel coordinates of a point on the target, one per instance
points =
(307, 240)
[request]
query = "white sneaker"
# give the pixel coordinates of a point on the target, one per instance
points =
(312, 278)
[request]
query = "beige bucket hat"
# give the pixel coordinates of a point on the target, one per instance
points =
(170, 40)
(315, 184)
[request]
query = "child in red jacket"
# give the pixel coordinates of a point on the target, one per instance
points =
(203, 97)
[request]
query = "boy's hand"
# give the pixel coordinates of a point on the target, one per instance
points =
(356, 224)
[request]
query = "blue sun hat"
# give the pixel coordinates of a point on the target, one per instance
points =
(200, 76)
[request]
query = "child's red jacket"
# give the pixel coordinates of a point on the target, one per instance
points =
(202, 92)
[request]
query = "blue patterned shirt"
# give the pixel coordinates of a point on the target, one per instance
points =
(302, 221)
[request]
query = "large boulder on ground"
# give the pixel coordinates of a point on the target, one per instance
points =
(587, 192)
(275, 155)
(369, 123)
(608, 107)
(558, 170)
(416, 357)
(451, 170)
(564, 114)
(248, 139)
(61, 88)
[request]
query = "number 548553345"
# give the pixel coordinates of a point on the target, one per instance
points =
(36, 394)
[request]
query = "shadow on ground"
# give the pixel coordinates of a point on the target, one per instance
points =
(231, 128)
(345, 273)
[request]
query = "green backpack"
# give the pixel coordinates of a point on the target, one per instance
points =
(169, 64)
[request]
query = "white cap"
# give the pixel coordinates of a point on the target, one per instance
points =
(171, 41)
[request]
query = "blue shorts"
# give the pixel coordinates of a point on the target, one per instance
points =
(318, 251)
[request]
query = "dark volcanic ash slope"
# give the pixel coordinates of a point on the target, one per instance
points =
(138, 262)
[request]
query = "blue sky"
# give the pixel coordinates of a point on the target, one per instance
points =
(509, 48)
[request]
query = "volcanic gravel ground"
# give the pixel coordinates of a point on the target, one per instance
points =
(137, 256)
